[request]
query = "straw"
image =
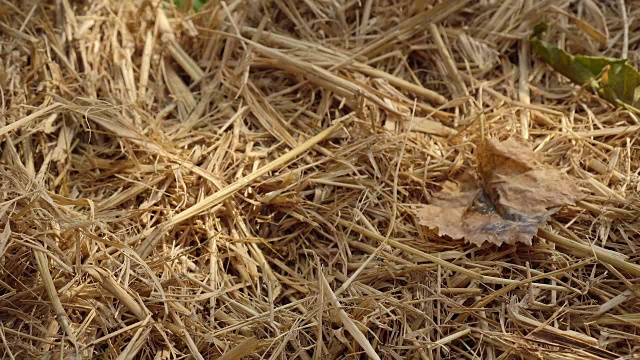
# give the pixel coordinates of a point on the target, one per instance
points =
(242, 181)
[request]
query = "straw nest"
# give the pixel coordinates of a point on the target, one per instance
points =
(240, 182)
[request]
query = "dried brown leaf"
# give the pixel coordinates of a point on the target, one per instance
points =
(509, 197)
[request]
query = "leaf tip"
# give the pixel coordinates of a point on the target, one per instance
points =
(539, 29)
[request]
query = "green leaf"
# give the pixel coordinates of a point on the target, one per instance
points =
(198, 4)
(195, 4)
(612, 79)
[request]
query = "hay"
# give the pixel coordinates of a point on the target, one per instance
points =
(241, 181)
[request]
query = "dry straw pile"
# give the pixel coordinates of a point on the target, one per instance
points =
(241, 182)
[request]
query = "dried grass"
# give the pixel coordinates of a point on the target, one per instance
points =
(239, 183)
